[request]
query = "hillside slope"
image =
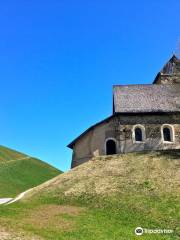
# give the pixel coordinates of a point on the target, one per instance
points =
(19, 172)
(155, 172)
(7, 154)
(103, 199)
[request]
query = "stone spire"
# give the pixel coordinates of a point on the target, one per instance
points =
(170, 73)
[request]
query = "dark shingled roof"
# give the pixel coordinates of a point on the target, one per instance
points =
(146, 98)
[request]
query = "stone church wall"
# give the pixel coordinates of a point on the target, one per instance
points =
(120, 128)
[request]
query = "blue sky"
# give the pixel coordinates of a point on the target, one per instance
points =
(59, 60)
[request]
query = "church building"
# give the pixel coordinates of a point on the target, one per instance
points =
(145, 117)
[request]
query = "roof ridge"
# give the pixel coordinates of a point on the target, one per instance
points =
(154, 85)
(140, 84)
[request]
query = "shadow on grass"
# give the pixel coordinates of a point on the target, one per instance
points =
(173, 154)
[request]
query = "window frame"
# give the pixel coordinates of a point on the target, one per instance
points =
(172, 133)
(143, 133)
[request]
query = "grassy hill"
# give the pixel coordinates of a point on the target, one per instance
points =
(7, 154)
(155, 172)
(18, 172)
(103, 199)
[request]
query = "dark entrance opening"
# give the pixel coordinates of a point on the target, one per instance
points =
(110, 147)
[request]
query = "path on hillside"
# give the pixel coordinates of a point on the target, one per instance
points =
(5, 200)
(11, 200)
(13, 160)
(21, 195)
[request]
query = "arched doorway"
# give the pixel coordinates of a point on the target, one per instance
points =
(110, 147)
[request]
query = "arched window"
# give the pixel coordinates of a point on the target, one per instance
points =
(110, 147)
(167, 133)
(138, 133)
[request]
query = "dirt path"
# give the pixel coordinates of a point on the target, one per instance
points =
(21, 195)
(4, 235)
(12, 200)
(14, 160)
(5, 200)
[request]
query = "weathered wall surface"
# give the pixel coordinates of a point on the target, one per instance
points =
(120, 128)
(91, 144)
(153, 135)
(168, 79)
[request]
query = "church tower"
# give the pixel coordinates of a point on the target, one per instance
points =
(170, 73)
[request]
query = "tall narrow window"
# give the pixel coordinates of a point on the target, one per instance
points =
(167, 134)
(138, 135)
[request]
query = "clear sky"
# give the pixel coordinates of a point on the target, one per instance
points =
(59, 60)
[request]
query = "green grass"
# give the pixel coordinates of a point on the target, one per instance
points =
(18, 176)
(79, 205)
(101, 219)
(7, 154)
(19, 173)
